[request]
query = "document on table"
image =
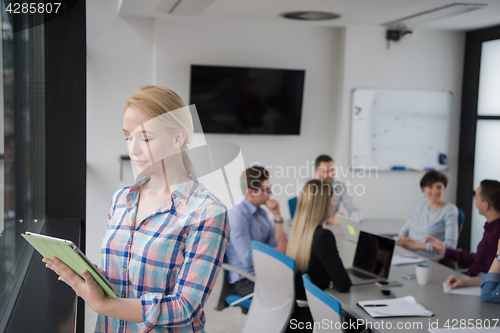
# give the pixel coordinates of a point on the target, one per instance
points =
(465, 330)
(397, 307)
(403, 259)
(471, 291)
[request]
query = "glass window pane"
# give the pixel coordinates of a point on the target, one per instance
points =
(23, 100)
(489, 98)
(486, 162)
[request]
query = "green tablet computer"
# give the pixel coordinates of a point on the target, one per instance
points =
(70, 254)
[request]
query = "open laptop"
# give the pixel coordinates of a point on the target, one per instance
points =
(350, 228)
(372, 260)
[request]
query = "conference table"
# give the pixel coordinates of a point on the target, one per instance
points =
(448, 309)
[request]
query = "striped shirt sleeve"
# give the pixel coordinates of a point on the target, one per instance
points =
(203, 254)
(451, 227)
(406, 228)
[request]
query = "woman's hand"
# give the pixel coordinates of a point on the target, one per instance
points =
(406, 242)
(100, 270)
(401, 240)
(454, 281)
(409, 244)
(86, 288)
(436, 244)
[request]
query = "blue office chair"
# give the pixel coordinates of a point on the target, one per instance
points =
(323, 306)
(461, 219)
(274, 292)
(226, 297)
(292, 204)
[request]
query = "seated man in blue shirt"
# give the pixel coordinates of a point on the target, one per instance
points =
(249, 222)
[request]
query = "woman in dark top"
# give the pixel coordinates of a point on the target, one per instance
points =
(314, 248)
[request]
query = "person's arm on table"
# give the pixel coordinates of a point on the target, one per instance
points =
(436, 244)
(457, 282)
(462, 257)
(410, 244)
(490, 286)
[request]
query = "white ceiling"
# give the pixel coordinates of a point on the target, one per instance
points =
(353, 12)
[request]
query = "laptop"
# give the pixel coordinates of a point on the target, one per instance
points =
(372, 260)
(350, 228)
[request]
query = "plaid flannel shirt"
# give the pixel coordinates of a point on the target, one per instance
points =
(170, 261)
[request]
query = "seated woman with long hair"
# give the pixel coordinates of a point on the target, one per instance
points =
(313, 247)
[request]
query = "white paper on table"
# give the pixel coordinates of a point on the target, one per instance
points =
(403, 259)
(397, 307)
(465, 330)
(471, 291)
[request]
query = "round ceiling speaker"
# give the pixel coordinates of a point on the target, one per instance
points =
(310, 16)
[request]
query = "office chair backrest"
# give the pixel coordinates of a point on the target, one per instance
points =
(292, 204)
(274, 292)
(461, 219)
(323, 306)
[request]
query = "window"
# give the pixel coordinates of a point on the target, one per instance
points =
(23, 136)
(479, 127)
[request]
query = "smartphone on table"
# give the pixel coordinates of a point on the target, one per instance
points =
(388, 283)
(388, 293)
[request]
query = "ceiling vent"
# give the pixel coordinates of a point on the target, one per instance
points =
(310, 16)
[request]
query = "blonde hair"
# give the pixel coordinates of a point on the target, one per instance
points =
(156, 102)
(312, 210)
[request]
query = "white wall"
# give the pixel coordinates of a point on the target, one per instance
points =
(119, 62)
(182, 42)
(431, 60)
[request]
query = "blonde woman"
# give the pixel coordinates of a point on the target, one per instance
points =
(313, 247)
(166, 234)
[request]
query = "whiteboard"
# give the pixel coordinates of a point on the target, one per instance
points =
(400, 129)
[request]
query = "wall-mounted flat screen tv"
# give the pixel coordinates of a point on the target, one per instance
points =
(240, 100)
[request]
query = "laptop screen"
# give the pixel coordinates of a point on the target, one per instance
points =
(374, 254)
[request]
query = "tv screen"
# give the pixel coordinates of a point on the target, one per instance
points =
(247, 100)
